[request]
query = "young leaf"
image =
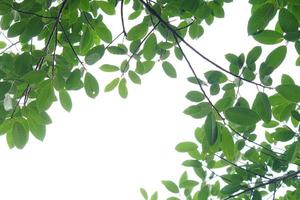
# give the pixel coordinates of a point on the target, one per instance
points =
(112, 85)
(123, 88)
(109, 68)
(186, 147)
(171, 186)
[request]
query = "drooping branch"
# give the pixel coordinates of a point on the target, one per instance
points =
(122, 18)
(138, 47)
(275, 180)
(213, 106)
(174, 32)
(41, 60)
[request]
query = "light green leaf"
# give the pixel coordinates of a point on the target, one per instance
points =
(109, 68)
(186, 147)
(45, 96)
(112, 85)
(65, 100)
(123, 91)
(171, 186)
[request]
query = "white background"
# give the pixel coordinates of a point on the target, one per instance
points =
(109, 147)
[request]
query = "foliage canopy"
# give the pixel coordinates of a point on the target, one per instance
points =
(254, 143)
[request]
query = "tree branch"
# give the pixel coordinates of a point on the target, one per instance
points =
(174, 32)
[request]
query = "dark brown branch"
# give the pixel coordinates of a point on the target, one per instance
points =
(275, 180)
(71, 46)
(122, 18)
(31, 13)
(9, 47)
(27, 90)
(138, 47)
(174, 32)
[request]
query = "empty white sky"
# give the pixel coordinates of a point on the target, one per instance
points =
(109, 147)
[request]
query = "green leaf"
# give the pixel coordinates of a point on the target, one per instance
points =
(137, 32)
(94, 55)
(171, 186)
(261, 17)
(169, 69)
(103, 32)
(227, 144)
(118, 50)
(45, 96)
(91, 85)
(194, 96)
(34, 27)
(150, 46)
(230, 189)
(288, 22)
(112, 85)
(283, 134)
(74, 80)
(203, 193)
(134, 77)
(106, 7)
(20, 135)
(144, 193)
(289, 92)
(198, 111)
(273, 60)
(123, 91)
(2, 45)
(86, 41)
(253, 55)
(186, 147)
(241, 116)
(109, 68)
(268, 37)
(65, 100)
(16, 29)
(211, 129)
(262, 107)
(37, 130)
(154, 196)
(34, 77)
(215, 77)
